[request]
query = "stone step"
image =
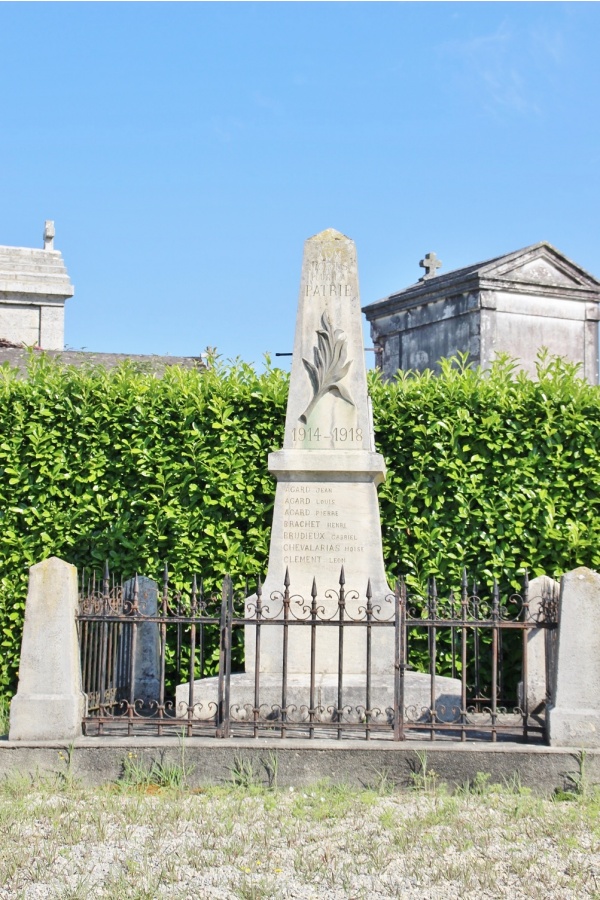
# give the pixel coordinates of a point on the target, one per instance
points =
(417, 697)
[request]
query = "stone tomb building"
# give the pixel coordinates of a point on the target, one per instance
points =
(34, 286)
(515, 304)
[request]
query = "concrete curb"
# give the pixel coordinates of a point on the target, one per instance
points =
(96, 761)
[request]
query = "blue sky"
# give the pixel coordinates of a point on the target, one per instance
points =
(186, 150)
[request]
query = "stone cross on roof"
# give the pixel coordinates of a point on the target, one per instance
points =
(49, 234)
(430, 264)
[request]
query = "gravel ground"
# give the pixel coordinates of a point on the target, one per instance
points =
(326, 842)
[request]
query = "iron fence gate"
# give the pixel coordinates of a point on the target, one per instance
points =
(167, 661)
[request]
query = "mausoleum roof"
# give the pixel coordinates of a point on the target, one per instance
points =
(18, 357)
(540, 268)
(24, 270)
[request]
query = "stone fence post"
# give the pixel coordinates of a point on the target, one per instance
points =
(574, 715)
(49, 703)
(541, 589)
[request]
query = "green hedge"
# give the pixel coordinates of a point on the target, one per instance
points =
(493, 473)
(135, 469)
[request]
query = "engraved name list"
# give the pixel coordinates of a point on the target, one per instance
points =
(315, 529)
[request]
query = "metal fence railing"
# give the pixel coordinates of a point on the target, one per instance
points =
(454, 667)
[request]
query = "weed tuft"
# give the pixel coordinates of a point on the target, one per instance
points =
(244, 773)
(271, 766)
(159, 775)
(480, 785)
(422, 777)
(578, 782)
(382, 783)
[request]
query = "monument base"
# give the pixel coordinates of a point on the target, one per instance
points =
(46, 717)
(574, 728)
(417, 698)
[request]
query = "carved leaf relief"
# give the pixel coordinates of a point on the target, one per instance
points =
(329, 367)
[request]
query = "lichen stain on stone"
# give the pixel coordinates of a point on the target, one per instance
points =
(329, 234)
(583, 573)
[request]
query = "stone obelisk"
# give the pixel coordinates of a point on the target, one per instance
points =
(326, 511)
(326, 517)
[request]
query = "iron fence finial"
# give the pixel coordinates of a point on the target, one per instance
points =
(194, 594)
(106, 582)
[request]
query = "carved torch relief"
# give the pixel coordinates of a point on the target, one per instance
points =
(330, 366)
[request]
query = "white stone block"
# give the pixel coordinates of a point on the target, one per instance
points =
(52, 327)
(49, 703)
(574, 717)
(20, 324)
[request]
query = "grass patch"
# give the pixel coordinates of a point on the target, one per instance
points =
(4, 715)
(153, 837)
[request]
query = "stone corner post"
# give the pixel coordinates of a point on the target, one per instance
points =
(538, 689)
(49, 703)
(574, 716)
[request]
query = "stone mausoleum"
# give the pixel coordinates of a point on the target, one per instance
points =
(34, 286)
(515, 304)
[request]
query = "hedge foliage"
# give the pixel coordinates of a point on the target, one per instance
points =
(493, 472)
(135, 469)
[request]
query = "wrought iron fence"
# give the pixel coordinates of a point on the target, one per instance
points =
(412, 664)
